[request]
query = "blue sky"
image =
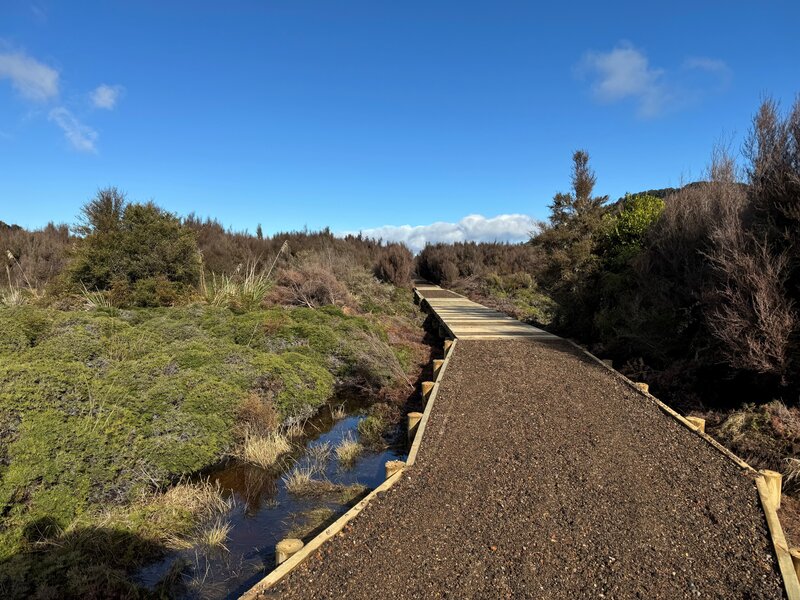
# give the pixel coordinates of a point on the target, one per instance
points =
(357, 115)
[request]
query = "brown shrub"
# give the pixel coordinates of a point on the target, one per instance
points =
(258, 415)
(441, 263)
(394, 265)
(311, 286)
(41, 254)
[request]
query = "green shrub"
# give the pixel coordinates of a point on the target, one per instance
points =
(138, 246)
(626, 230)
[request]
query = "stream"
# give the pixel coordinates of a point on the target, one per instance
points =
(264, 511)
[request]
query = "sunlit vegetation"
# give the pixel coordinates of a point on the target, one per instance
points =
(145, 348)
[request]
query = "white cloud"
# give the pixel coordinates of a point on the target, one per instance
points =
(625, 73)
(106, 96)
(82, 137)
(473, 228)
(32, 79)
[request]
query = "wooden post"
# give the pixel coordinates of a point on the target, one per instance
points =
(413, 420)
(286, 548)
(437, 366)
(795, 554)
(642, 386)
(447, 345)
(427, 386)
(699, 424)
(608, 362)
(773, 479)
(393, 466)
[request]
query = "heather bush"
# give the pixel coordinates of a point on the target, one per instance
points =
(394, 264)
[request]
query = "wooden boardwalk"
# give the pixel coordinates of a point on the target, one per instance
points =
(468, 320)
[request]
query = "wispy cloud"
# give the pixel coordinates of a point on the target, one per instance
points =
(29, 77)
(106, 96)
(473, 228)
(82, 137)
(625, 73)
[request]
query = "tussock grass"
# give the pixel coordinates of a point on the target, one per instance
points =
(338, 412)
(305, 523)
(348, 450)
(301, 482)
(245, 290)
(318, 455)
(295, 429)
(264, 450)
(14, 295)
(95, 299)
(203, 499)
(371, 430)
(215, 534)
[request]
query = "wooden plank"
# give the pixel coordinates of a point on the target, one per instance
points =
(790, 581)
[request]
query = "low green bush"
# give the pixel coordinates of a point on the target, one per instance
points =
(97, 406)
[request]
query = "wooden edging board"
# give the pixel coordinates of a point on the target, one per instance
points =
(337, 526)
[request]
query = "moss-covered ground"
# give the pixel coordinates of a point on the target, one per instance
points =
(99, 408)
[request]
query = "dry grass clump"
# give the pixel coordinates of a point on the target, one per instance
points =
(203, 499)
(246, 289)
(348, 450)
(264, 450)
(318, 455)
(305, 523)
(338, 412)
(301, 482)
(295, 429)
(767, 436)
(215, 534)
(257, 414)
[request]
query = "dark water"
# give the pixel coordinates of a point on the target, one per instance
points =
(264, 510)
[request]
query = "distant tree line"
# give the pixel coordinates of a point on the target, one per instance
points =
(138, 254)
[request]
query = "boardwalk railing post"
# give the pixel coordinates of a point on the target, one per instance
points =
(642, 386)
(795, 554)
(699, 424)
(773, 479)
(413, 421)
(427, 386)
(393, 466)
(286, 548)
(437, 366)
(447, 345)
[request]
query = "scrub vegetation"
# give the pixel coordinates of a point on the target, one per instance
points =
(141, 348)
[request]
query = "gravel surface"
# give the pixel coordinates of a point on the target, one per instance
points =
(542, 475)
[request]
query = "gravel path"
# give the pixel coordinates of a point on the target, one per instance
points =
(543, 476)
